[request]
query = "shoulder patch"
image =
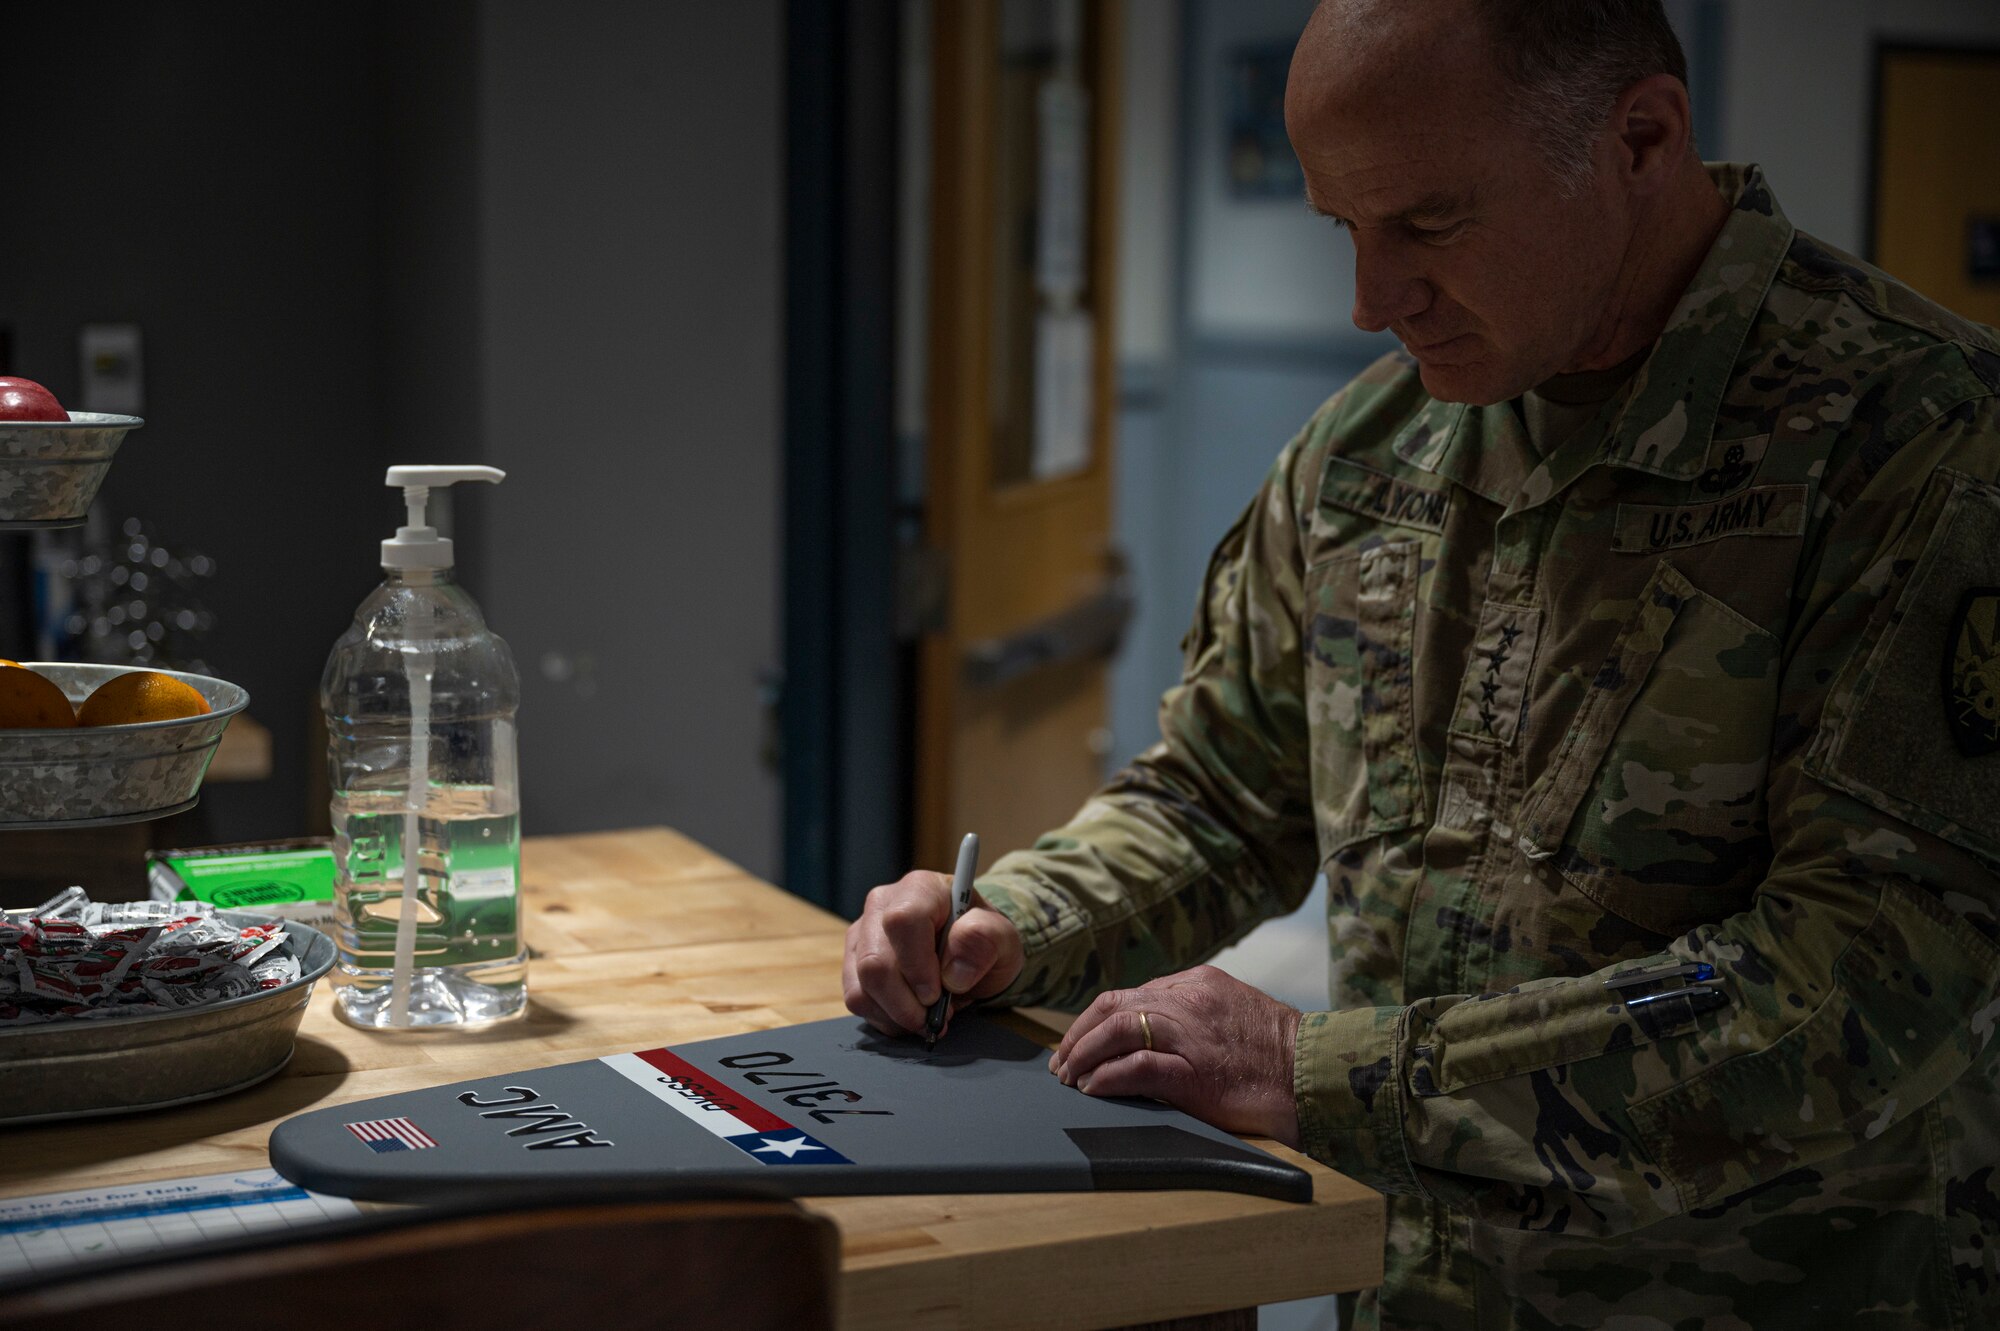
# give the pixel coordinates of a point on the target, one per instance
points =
(1386, 498)
(1891, 733)
(1762, 510)
(1972, 673)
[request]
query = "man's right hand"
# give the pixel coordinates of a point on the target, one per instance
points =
(890, 976)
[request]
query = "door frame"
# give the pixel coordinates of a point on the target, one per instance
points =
(964, 508)
(1884, 50)
(843, 747)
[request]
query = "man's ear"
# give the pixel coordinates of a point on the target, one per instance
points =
(1654, 130)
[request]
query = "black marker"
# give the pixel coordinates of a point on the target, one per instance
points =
(1664, 1014)
(1699, 1001)
(961, 901)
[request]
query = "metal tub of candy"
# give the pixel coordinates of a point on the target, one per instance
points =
(114, 774)
(50, 470)
(108, 1008)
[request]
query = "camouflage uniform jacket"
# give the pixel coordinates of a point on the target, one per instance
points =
(1714, 682)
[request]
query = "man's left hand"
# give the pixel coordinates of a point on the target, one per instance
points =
(1221, 1051)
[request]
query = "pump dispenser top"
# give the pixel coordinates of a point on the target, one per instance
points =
(417, 544)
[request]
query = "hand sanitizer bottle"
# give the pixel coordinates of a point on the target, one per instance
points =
(420, 699)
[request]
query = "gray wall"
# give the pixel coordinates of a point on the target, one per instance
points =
(1210, 399)
(475, 230)
(210, 172)
(428, 280)
(1795, 95)
(630, 313)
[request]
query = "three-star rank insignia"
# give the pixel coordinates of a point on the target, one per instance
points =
(1972, 673)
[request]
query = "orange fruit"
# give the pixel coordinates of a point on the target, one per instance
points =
(141, 695)
(29, 701)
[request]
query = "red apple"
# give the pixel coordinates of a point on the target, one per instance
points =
(26, 400)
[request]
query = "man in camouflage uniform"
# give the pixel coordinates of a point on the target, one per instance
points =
(1641, 707)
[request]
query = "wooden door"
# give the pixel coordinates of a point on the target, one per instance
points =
(1011, 704)
(1937, 176)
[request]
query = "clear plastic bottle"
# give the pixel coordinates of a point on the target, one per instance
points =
(420, 698)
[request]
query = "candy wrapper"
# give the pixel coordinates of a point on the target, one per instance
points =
(72, 958)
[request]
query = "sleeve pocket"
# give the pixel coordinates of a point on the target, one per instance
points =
(1887, 1038)
(1217, 584)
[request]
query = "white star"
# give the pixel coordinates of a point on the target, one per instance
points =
(787, 1149)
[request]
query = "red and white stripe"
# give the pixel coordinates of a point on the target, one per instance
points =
(718, 1110)
(382, 1129)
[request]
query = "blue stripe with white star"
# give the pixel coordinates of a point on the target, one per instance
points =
(791, 1147)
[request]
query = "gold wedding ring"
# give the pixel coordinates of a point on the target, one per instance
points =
(1146, 1029)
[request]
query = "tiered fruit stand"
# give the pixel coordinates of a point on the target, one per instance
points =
(50, 472)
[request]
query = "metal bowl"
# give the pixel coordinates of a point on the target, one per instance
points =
(50, 470)
(110, 774)
(150, 1060)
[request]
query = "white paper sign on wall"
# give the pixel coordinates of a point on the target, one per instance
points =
(1064, 401)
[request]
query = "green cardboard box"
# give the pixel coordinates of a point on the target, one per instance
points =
(290, 879)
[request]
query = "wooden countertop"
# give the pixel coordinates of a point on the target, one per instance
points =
(645, 938)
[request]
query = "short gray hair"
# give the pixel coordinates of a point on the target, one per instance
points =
(1570, 60)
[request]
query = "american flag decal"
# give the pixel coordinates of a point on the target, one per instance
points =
(391, 1134)
(697, 1096)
